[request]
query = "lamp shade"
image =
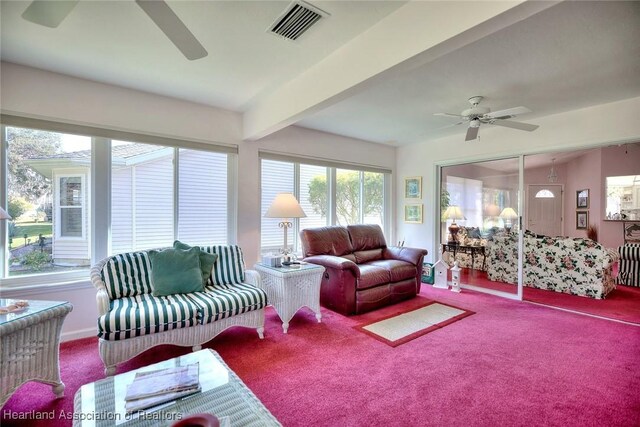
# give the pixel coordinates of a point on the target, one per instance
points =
(285, 205)
(508, 213)
(4, 214)
(453, 212)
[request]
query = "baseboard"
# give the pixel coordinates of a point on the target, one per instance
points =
(76, 335)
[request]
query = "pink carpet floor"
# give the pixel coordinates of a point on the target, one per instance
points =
(510, 364)
(623, 303)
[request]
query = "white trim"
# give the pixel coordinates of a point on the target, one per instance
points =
(319, 161)
(12, 288)
(76, 335)
(57, 216)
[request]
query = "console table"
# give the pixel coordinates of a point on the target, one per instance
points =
(30, 345)
(463, 249)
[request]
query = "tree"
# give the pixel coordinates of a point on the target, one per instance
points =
(17, 206)
(348, 195)
(28, 144)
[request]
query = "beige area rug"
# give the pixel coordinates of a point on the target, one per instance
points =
(401, 328)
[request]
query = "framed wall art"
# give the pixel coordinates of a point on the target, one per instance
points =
(631, 231)
(582, 199)
(413, 187)
(413, 214)
(582, 220)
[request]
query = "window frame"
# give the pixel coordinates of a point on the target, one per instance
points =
(98, 206)
(332, 168)
(57, 186)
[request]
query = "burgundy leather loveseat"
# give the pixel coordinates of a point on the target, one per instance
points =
(361, 272)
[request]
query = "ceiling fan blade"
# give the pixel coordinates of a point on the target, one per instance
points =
(453, 116)
(472, 133)
(48, 13)
(514, 125)
(166, 19)
(508, 112)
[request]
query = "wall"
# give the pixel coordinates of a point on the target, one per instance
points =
(41, 94)
(616, 160)
(583, 172)
(584, 128)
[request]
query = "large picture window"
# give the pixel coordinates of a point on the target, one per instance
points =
(156, 192)
(328, 195)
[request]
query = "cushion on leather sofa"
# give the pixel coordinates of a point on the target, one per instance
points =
(398, 270)
(371, 275)
(333, 240)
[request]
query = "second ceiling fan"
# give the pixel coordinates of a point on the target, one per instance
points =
(477, 115)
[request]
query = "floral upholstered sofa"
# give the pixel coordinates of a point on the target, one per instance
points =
(576, 266)
(132, 319)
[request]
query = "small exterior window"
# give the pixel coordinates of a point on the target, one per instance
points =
(71, 206)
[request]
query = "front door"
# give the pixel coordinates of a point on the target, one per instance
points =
(544, 209)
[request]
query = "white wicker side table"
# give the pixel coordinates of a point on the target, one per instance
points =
(30, 346)
(291, 288)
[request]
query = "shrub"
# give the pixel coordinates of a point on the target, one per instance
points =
(36, 260)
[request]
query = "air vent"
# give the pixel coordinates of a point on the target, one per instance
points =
(296, 20)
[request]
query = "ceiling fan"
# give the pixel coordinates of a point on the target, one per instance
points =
(477, 115)
(52, 13)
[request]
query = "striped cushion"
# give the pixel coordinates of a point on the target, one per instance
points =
(220, 301)
(145, 314)
(229, 267)
(127, 275)
(629, 267)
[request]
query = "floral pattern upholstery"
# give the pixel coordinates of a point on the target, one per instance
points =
(574, 266)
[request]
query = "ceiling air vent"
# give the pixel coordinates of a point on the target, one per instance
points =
(296, 20)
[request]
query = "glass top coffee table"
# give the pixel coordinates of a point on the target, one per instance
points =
(223, 394)
(29, 345)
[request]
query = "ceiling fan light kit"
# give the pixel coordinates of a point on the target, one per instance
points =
(477, 115)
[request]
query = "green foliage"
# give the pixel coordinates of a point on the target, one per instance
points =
(445, 199)
(36, 260)
(348, 195)
(24, 144)
(17, 206)
(13, 229)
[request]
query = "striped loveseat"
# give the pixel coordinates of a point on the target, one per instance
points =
(132, 320)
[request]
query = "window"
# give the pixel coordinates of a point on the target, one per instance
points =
(70, 206)
(158, 193)
(357, 196)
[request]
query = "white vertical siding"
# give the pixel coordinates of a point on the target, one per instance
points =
(277, 177)
(202, 195)
(153, 203)
(121, 210)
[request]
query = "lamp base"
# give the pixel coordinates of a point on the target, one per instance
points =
(453, 232)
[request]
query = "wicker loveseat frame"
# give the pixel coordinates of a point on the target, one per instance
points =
(131, 320)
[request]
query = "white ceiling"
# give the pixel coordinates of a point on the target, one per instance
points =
(568, 56)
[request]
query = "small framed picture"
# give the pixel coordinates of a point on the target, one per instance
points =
(631, 231)
(582, 220)
(413, 214)
(413, 187)
(582, 199)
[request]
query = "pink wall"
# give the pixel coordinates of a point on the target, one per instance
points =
(583, 172)
(616, 161)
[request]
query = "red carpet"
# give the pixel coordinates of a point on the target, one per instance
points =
(623, 303)
(510, 364)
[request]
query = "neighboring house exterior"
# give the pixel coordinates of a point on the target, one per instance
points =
(143, 200)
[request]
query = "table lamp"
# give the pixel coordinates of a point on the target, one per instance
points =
(285, 206)
(508, 215)
(4, 214)
(453, 213)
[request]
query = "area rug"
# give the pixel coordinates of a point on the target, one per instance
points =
(400, 328)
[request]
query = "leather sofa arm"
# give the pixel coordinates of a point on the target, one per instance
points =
(335, 262)
(410, 255)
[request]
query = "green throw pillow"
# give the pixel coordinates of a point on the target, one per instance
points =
(175, 271)
(206, 260)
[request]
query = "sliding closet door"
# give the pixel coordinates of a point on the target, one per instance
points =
(480, 223)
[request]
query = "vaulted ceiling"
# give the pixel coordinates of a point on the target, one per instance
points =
(374, 70)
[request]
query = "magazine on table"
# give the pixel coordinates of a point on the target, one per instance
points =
(154, 387)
